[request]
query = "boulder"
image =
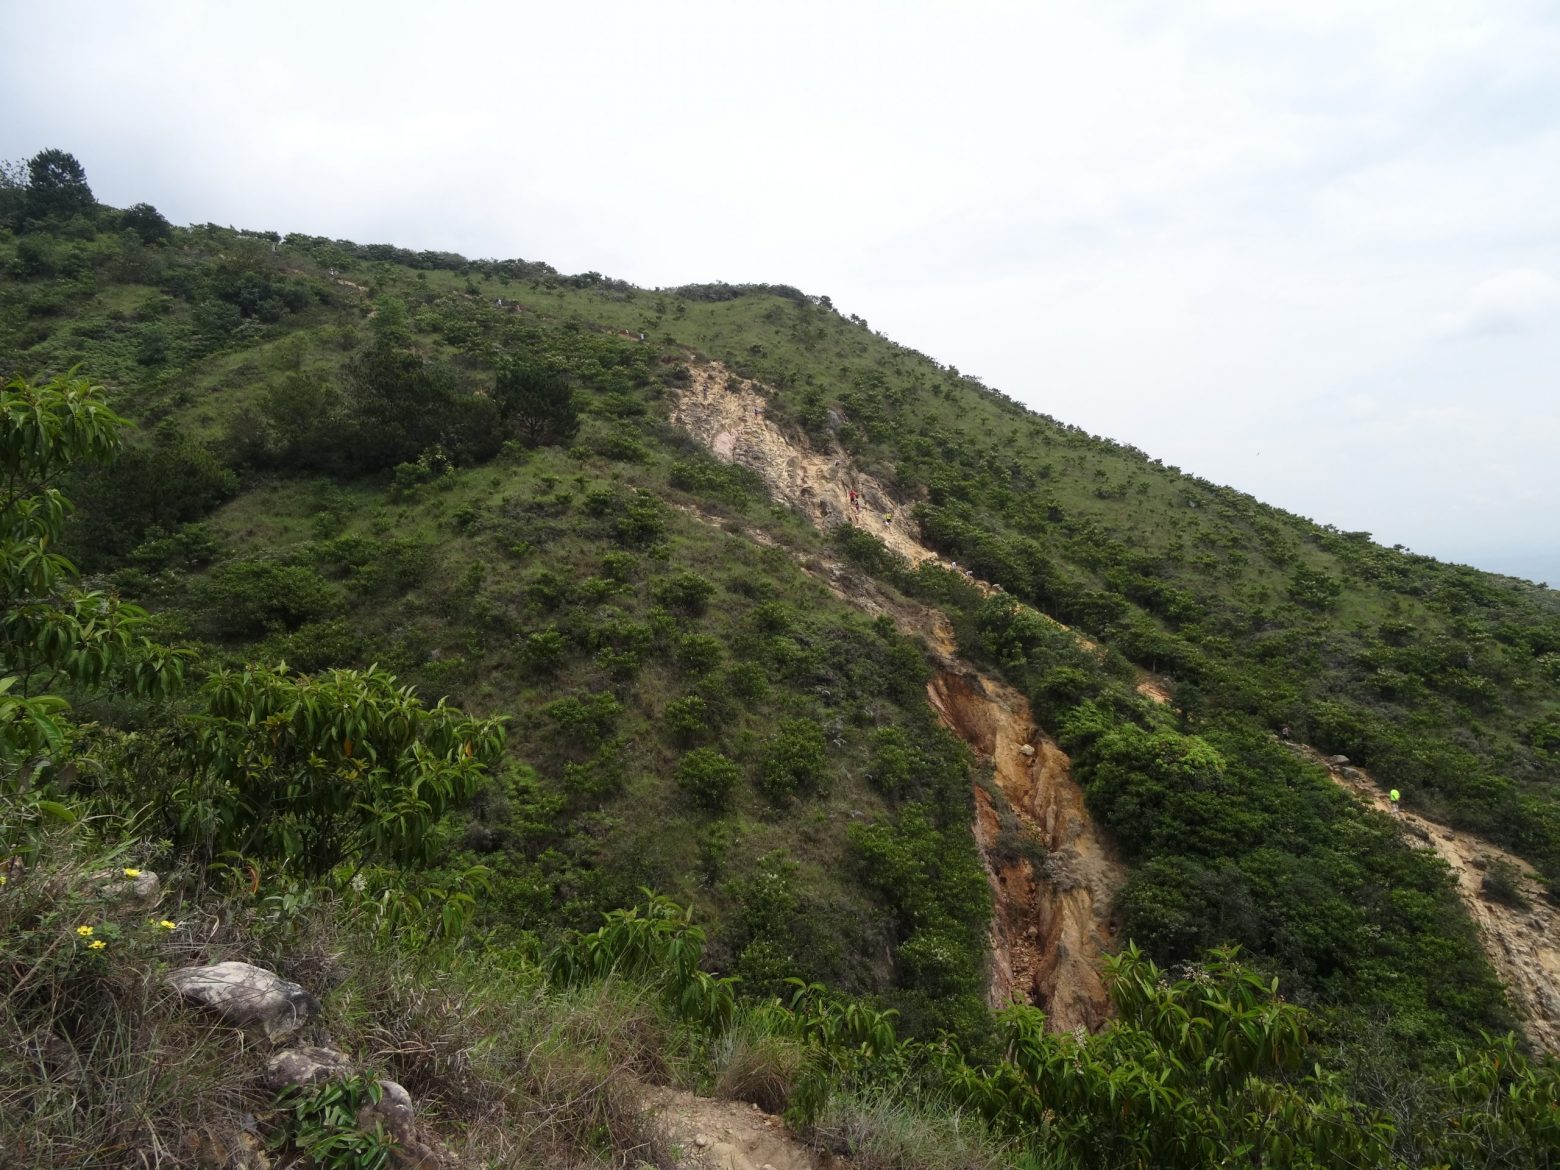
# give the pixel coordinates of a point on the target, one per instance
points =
(117, 885)
(1337, 761)
(1027, 749)
(305, 1066)
(415, 1150)
(246, 996)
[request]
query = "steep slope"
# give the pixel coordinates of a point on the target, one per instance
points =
(1522, 940)
(1052, 920)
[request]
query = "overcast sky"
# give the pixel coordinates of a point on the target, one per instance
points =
(1309, 249)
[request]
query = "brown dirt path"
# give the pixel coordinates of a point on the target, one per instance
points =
(1523, 945)
(710, 1134)
(1052, 924)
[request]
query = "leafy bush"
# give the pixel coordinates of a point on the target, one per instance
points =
(687, 719)
(584, 719)
(322, 1124)
(795, 761)
(544, 650)
(247, 597)
(708, 777)
(686, 592)
(698, 653)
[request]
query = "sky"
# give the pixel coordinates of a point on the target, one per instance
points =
(1311, 251)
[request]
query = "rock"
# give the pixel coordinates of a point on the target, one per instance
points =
(1352, 773)
(1027, 749)
(117, 885)
(245, 995)
(701, 1140)
(304, 1066)
(1337, 761)
(216, 1149)
(414, 1149)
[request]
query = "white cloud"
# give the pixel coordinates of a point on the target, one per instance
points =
(1513, 301)
(1208, 229)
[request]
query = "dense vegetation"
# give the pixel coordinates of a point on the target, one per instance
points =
(360, 475)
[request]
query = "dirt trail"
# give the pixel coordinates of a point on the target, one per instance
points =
(1052, 920)
(728, 1135)
(1523, 945)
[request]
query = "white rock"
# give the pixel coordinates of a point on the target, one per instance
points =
(245, 995)
(304, 1066)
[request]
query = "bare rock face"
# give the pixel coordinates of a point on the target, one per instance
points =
(414, 1149)
(246, 996)
(305, 1066)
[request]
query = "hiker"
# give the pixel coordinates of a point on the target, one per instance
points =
(1393, 795)
(888, 519)
(852, 497)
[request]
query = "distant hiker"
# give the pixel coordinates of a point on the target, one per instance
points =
(853, 497)
(888, 518)
(1393, 795)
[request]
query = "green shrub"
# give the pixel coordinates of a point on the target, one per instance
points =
(747, 680)
(795, 761)
(619, 566)
(584, 719)
(698, 653)
(322, 1124)
(708, 777)
(248, 597)
(686, 592)
(687, 719)
(543, 651)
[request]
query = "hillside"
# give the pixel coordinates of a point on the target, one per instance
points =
(1036, 698)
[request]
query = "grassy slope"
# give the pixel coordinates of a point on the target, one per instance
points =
(1104, 520)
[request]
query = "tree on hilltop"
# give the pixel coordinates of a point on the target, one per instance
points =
(57, 185)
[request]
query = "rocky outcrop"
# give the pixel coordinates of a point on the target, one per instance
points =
(247, 996)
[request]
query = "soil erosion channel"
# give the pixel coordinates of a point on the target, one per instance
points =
(1522, 940)
(1053, 897)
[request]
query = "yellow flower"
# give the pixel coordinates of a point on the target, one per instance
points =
(166, 925)
(84, 931)
(132, 873)
(96, 944)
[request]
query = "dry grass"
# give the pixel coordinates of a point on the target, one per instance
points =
(753, 1064)
(881, 1132)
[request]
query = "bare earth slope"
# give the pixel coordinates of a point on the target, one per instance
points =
(1052, 924)
(1522, 944)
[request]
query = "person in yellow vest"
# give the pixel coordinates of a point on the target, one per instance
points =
(1394, 795)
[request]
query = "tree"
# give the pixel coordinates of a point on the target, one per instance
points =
(57, 185)
(539, 403)
(147, 222)
(308, 772)
(51, 630)
(13, 190)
